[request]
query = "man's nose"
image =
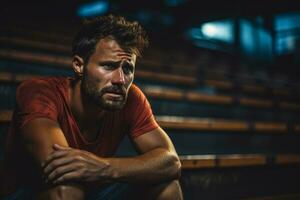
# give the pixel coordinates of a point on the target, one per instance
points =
(118, 76)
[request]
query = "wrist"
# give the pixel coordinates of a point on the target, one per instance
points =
(109, 172)
(114, 170)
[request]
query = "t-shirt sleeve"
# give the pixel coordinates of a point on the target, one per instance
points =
(140, 113)
(35, 99)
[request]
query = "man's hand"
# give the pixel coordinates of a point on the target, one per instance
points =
(67, 164)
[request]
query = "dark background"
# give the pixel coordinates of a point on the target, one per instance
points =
(259, 52)
(166, 21)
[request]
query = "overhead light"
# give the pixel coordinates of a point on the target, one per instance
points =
(210, 30)
(93, 9)
(220, 30)
(216, 30)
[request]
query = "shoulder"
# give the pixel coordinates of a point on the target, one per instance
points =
(138, 112)
(136, 99)
(135, 92)
(41, 84)
(37, 87)
(47, 81)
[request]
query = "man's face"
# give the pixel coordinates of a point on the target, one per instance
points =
(108, 75)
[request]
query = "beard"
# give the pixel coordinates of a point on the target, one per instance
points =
(96, 96)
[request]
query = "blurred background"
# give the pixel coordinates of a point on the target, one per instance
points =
(221, 76)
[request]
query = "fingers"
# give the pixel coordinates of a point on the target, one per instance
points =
(58, 147)
(66, 177)
(66, 164)
(55, 163)
(61, 171)
(54, 155)
(60, 162)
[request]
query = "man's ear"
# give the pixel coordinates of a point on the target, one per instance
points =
(78, 65)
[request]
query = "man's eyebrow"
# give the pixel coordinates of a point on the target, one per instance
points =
(115, 63)
(122, 53)
(109, 62)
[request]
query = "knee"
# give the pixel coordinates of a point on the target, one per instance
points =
(169, 190)
(62, 192)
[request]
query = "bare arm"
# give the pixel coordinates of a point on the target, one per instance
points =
(158, 162)
(39, 137)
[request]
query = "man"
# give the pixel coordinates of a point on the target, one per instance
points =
(65, 131)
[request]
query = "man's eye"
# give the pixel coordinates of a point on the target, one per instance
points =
(127, 69)
(108, 67)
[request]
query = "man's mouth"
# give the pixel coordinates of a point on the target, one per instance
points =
(114, 95)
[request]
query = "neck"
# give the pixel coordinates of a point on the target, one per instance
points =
(83, 110)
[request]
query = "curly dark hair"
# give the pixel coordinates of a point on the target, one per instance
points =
(129, 35)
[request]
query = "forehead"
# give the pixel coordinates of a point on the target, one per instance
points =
(110, 49)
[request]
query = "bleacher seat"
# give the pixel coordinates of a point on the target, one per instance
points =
(230, 133)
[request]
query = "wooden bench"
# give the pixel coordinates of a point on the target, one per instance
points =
(235, 160)
(173, 78)
(213, 161)
(66, 62)
(178, 94)
(211, 124)
(65, 48)
(189, 162)
(203, 124)
(35, 44)
(253, 88)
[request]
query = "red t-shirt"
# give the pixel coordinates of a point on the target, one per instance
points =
(49, 98)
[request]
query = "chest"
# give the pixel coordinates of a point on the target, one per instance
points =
(92, 132)
(102, 138)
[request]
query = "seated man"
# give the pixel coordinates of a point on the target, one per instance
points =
(65, 131)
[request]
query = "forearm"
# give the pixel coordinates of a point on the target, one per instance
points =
(154, 166)
(39, 135)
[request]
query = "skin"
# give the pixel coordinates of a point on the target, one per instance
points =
(103, 86)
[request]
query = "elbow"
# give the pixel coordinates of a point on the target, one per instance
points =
(66, 192)
(62, 192)
(176, 167)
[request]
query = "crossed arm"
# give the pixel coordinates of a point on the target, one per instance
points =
(67, 169)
